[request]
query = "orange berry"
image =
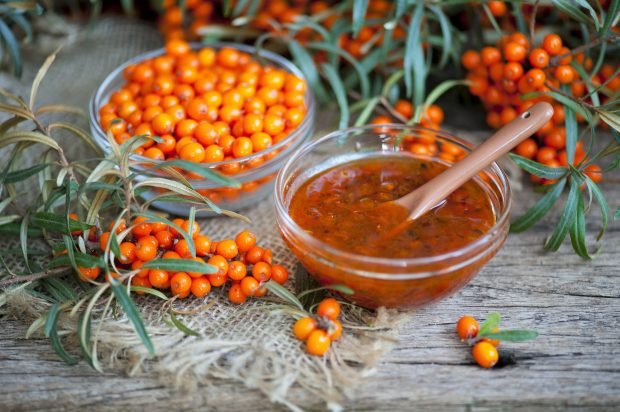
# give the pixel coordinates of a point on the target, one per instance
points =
(556, 138)
(497, 8)
(245, 241)
(318, 342)
(177, 48)
(329, 308)
(539, 58)
(236, 270)
(193, 152)
(203, 245)
(171, 255)
(220, 263)
(128, 253)
(261, 271)
(304, 327)
(273, 124)
(467, 327)
(594, 172)
(242, 147)
(182, 248)
(200, 287)
(564, 74)
(471, 59)
(260, 141)
(159, 278)
(89, 273)
(527, 148)
(195, 230)
(180, 284)
(249, 286)
(228, 57)
(236, 295)
(534, 78)
(146, 248)
(490, 55)
(552, 43)
(513, 71)
(485, 354)
(255, 254)
(137, 265)
(141, 228)
(279, 274)
(103, 240)
(545, 154)
(514, 52)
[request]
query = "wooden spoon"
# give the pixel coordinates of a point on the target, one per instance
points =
(433, 192)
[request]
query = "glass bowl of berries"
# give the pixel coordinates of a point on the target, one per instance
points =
(227, 107)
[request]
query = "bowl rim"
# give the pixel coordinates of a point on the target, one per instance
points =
(271, 57)
(282, 212)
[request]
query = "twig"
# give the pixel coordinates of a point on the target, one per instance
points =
(612, 37)
(35, 276)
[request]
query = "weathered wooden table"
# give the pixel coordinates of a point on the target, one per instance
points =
(574, 364)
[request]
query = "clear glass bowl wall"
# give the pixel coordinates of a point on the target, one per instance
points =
(257, 182)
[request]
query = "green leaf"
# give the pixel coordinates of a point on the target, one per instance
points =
(446, 34)
(283, 293)
(613, 120)
(335, 51)
(490, 324)
(123, 298)
(57, 223)
(602, 202)
(12, 229)
(570, 121)
(23, 174)
(566, 101)
(51, 332)
(203, 171)
(156, 218)
(83, 333)
(81, 259)
(180, 325)
(538, 169)
(568, 215)
(540, 209)
(359, 13)
(180, 265)
(338, 88)
(569, 7)
(149, 291)
(512, 335)
(577, 230)
(442, 88)
(613, 13)
(306, 64)
(588, 7)
(617, 213)
(367, 112)
(414, 56)
(13, 47)
(39, 77)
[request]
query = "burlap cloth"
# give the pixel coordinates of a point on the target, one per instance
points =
(245, 343)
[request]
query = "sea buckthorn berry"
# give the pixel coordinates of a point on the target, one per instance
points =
(220, 263)
(564, 74)
(514, 52)
(565, 51)
(318, 342)
(228, 57)
(471, 59)
(335, 330)
(177, 48)
(245, 241)
(89, 273)
(467, 327)
(261, 271)
(535, 78)
(128, 253)
(180, 284)
(160, 279)
(513, 71)
(261, 141)
(485, 354)
(203, 245)
(279, 274)
(146, 248)
(214, 153)
(242, 147)
(552, 43)
(556, 138)
(594, 172)
(497, 8)
(304, 327)
(227, 248)
(143, 273)
(154, 153)
(236, 295)
(539, 58)
(143, 282)
(490, 55)
(236, 270)
(200, 287)
(545, 154)
(329, 308)
(141, 228)
(103, 240)
(182, 248)
(255, 254)
(217, 280)
(249, 286)
(273, 124)
(267, 256)
(194, 231)
(196, 274)
(527, 148)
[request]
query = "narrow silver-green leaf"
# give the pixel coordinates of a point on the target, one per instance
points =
(540, 209)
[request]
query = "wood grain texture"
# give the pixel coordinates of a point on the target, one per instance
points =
(574, 364)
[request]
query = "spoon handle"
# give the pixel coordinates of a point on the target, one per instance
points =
(437, 189)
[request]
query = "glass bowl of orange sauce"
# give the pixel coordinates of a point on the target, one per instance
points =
(327, 197)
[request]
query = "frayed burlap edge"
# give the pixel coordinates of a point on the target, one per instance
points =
(188, 362)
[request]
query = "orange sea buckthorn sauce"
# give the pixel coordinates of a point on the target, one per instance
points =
(339, 206)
